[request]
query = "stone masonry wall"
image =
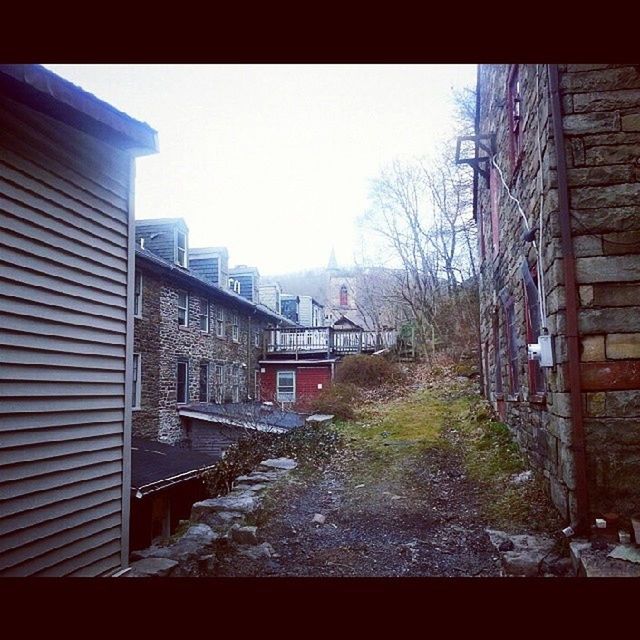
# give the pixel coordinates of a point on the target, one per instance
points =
(161, 342)
(540, 422)
(601, 107)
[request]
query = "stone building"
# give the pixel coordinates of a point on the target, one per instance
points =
(557, 190)
(194, 341)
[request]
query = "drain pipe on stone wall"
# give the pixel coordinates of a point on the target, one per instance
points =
(581, 523)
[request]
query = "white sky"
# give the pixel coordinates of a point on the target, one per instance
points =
(274, 161)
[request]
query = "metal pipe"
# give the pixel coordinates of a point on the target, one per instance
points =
(571, 297)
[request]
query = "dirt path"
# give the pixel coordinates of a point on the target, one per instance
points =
(423, 521)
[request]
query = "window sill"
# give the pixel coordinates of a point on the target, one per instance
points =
(513, 398)
(498, 396)
(136, 408)
(183, 326)
(138, 317)
(538, 398)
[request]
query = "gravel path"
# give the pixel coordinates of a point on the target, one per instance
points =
(423, 521)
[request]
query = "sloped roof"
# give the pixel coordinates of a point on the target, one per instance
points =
(155, 465)
(58, 98)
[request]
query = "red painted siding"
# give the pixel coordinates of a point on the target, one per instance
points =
(307, 379)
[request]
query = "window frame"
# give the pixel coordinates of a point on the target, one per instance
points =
(182, 362)
(235, 327)
(184, 263)
(291, 395)
(512, 350)
(204, 367)
(494, 196)
(204, 315)
(218, 393)
(344, 296)
(137, 295)
(514, 107)
(220, 332)
(136, 382)
(185, 308)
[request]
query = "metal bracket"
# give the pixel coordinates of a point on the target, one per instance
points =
(480, 163)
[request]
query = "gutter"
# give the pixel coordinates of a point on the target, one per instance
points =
(571, 301)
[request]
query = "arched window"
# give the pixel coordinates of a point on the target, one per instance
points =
(344, 296)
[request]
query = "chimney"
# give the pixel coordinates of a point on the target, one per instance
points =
(211, 264)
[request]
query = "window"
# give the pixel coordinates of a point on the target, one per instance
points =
(511, 334)
(183, 308)
(494, 191)
(181, 248)
(218, 384)
(235, 383)
(235, 329)
(344, 296)
(204, 315)
(534, 326)
(514, 101)
(497, 354)
(256, 385)
(204, 382)
(182, 386)
(234, 285)
(137, 298)
(256, 339)
(220, 322)
(136, 381)
(286, 391)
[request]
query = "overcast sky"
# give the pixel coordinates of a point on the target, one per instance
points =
(274, 161)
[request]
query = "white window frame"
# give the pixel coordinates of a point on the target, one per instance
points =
(136, 381)
(220, 322)
(186, 308)
(287, 396)
(235, 327)
(137, 296)
(256, 339)
(182, 361)
(235, 383)
(178, 249)
(204, 315)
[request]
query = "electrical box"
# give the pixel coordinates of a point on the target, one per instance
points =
(542, 351)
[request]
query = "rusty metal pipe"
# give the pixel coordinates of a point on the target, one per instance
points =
(571, 297)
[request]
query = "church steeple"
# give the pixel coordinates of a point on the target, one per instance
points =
(333, 263)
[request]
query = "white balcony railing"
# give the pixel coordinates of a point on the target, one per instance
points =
(326, 340)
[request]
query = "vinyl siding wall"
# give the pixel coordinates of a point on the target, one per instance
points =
(64, 414)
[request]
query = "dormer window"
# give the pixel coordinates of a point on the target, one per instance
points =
(181, 248)
(234, 285)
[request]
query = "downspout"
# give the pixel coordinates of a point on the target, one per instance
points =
(571, 296)
(476, 131)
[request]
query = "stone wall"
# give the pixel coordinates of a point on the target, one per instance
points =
(601, 107)
(161, 342)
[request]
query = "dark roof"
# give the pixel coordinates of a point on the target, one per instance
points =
(58, 98)
(155, 465)
(344, 321)
(190, 277)
(251, 414)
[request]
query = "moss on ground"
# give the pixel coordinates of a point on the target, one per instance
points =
(387, 438)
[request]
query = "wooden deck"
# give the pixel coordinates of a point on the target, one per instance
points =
(314, 340)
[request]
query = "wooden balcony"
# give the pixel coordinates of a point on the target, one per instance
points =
(325, 340)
